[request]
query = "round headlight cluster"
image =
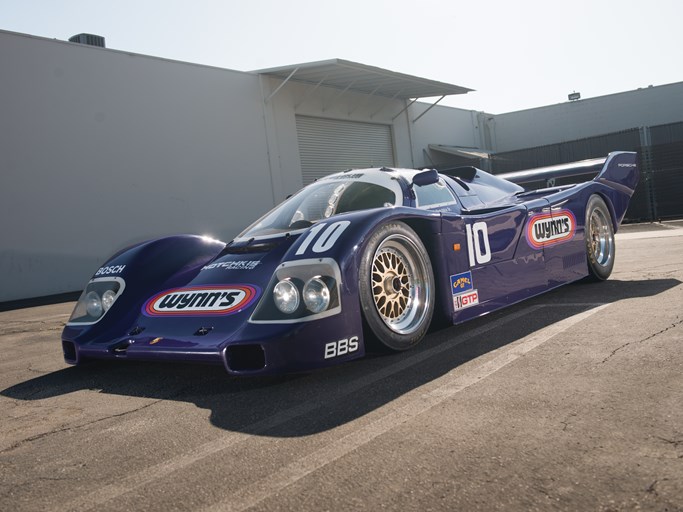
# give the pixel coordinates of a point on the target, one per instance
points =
(316, 295)
(97, 306)
(286, 296)
(108, 299)
(93, 304)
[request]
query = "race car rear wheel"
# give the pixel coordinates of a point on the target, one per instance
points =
(396, 285)
(600, 247)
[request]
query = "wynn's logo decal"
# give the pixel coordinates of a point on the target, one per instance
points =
(548, 229)
(202, 300)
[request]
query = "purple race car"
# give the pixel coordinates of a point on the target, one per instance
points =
(358, 256)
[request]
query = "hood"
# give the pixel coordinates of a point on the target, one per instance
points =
(209, 307)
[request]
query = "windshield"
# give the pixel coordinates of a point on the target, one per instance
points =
(319, 201)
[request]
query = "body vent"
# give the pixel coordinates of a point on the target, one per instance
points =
(89, 39)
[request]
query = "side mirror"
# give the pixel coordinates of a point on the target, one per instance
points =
(426, 178)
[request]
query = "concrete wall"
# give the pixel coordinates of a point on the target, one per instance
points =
(100, 149)
(445, 126)
(586, 118)
(301, 99)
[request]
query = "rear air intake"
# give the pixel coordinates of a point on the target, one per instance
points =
(245, 358)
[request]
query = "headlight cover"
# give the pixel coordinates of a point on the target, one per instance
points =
(301, 291)
(97, 298)
(286, 296)
(316, 295)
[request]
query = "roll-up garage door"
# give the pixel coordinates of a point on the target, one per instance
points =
(328, 145)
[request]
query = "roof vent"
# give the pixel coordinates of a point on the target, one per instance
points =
(90, 39)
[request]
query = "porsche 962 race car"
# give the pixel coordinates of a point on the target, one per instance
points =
(366, 255)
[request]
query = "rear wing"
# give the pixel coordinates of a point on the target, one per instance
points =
(619, 170)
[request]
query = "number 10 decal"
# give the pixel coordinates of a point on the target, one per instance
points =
(326, 238)
(478, 243)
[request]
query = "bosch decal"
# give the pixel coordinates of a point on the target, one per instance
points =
(202, 301)
(106, 271)
(550, 228)
(461, 283)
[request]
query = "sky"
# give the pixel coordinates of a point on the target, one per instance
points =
(516, 54)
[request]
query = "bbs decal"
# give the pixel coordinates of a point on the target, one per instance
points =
(322, 237)
(546, 229)
(201, 301)
(341, 347)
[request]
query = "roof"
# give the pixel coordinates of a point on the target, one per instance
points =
(347, 75)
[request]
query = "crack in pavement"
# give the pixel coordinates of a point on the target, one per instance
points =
(37, 437)
(675, 442)
(672, 326)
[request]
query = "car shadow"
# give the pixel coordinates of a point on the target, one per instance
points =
(303, 404)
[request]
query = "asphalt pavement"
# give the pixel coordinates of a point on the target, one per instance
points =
(570, 401)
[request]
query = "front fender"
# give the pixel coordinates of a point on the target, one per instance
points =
(344, 239)
(161, 263)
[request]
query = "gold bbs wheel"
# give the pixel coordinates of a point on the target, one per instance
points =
(600, 247)
(397, 286)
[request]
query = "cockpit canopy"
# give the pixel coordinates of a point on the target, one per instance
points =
(339, 193)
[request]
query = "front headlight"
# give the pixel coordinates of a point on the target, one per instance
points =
(108, 299)
(97, 298)
(286, 296)
(301, 291)
(93, 305)
(316, 295)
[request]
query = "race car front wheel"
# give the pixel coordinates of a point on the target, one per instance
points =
(600, 247)
(396, 286)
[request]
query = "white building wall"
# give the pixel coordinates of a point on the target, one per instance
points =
(100, 149)
(444, 126)
(323, 102)
(586, 118)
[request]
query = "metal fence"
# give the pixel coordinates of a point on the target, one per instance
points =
(659, 194)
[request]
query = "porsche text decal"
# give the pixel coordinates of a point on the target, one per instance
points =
(201, 300)
(550, 228)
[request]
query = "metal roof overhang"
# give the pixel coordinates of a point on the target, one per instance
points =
(458, 151)
(352, 76)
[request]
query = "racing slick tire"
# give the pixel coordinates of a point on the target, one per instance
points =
(396, 286)
(600, 246)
